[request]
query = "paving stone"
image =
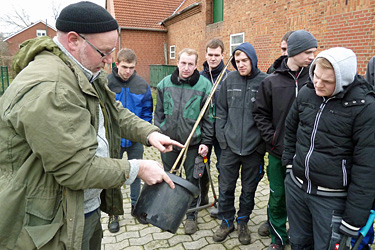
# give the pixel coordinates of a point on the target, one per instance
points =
(195, 244)
(149, 230)
(156, 244)
(176, 247)
(140, 241)
(162, 235)
(179, 239)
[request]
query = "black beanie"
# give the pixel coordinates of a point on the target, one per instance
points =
(86, 18)
(299, 41)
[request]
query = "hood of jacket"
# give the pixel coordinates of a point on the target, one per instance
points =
(344, 63)
(249, 50)
(31, 48)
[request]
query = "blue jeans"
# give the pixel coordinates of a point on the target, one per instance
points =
(135, 151)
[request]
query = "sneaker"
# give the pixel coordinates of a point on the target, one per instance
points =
(214, 213)
(223, 232)
(274, 246)
(243, 234)
(264, 229)
(113, 224)
(190, 226)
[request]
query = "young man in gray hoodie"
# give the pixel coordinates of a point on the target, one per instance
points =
(241, 143)
(329, 153)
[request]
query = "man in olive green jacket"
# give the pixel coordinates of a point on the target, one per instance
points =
(60, 130)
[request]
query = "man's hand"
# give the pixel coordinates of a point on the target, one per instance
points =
(163, 142)
(203, 150)
(152, 172)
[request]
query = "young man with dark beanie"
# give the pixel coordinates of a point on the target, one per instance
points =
(60, 136)
(275, 97)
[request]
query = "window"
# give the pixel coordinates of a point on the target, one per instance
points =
(236, 40)
(41, 33)
(172, 52)
(218, 11)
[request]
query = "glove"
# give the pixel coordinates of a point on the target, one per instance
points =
(199, 167)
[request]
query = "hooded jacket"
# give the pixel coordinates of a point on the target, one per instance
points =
(179, 102)
(134, 94)
(275, 97)
(48, 140)
(330, 140)
(235, 126)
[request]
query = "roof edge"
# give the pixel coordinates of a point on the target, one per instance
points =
(28, 27)
(179, 13)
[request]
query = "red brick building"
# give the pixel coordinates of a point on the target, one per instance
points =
(348, 23)
(141, 31)
(36, 29)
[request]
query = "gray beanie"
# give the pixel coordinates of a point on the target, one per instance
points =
(300, 41)
(85, 17)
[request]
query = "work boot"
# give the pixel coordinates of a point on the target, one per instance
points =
(274, 246)
(113, 224)
(264, 229)
(132, 211)
(190, 226)
(214, 213)
(243, 233)
(223, 231)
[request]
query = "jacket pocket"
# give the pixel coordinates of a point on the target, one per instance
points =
(44, 217)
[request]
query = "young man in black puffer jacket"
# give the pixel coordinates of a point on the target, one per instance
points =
(329, 153)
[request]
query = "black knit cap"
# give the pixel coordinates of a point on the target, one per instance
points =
(85, 17)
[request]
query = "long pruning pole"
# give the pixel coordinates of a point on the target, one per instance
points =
(203, 111)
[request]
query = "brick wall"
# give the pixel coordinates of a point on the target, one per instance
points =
(348, 23)
(147, 45)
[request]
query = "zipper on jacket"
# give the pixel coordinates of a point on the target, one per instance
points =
(296, 79)
(344, 173)
(312, 141)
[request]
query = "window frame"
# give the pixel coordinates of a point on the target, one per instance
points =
(232, 45)
(42, 32)
(172, 52)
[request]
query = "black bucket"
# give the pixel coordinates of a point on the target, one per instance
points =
(164, 207)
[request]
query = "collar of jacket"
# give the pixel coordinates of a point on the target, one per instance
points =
(192, 80)
(216, 71)
(118, 77)
(281, 66)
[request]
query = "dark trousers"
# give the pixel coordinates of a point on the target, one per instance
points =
(169, 159)
(313, 220)
(135, 151)
(251, 167)
(204, 181)
(92, 232)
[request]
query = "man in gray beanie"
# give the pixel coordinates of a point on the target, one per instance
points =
(60, 136)
(275, 97)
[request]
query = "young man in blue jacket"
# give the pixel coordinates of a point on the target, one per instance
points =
(134, 93)
(240, 141)
(212, 68)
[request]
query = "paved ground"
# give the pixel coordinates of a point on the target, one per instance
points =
(134, 236)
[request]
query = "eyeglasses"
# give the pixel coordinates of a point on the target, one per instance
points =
(101, 53)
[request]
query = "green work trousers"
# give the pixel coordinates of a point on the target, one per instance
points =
(277, 214)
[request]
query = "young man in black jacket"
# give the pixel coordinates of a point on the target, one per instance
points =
(275, 97)
(212, 68)
(240, 141)
(329, 153)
